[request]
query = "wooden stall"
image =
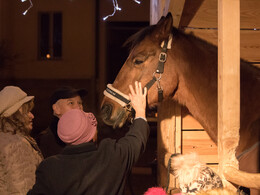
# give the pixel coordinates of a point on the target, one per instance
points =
(178, 131)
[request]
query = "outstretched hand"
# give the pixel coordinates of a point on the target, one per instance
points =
(138, 99)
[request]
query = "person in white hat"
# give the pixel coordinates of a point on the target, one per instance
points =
(85, 168)
(19, 153)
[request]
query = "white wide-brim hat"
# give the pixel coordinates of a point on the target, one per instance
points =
(11, 99)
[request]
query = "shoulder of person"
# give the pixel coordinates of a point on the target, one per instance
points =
(48, 162)
(15, 146)
(9, 139)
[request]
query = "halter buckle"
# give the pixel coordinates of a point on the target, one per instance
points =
(162, 57)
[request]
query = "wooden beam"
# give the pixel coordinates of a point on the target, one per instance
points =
(249, 180)
(203, 14)
(178, 129)
(228, 84)
(176, 8)
(190, 10)
(166, 127)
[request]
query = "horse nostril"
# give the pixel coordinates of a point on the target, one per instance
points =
(106, 111)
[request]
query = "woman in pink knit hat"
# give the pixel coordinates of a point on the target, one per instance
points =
(85, 168)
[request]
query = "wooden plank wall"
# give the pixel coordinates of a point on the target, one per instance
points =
(166, 131)
(203, 22)
(195, 139)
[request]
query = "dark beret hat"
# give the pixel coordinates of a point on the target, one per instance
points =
(65, 93)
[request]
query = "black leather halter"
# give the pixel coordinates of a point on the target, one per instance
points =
(160, 69)
(123, 99)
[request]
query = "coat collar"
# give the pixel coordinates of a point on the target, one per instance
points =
(81, 148)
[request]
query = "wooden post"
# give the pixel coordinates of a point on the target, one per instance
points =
(228, 83)
(168, 124)
(176, 8)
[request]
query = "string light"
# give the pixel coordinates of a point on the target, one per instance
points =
(115, 4)
(31, 5)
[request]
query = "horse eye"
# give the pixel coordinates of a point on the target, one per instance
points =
(138, 62)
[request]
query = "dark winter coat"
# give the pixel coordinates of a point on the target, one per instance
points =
(87, 169)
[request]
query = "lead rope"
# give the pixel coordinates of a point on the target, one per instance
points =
(168, 172)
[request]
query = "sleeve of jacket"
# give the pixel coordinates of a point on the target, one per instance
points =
(134, 142)
(17, 166)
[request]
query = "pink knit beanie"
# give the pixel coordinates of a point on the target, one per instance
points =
(77, 127)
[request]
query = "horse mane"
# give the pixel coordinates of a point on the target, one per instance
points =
(138, 37)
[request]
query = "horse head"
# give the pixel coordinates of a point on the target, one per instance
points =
(148, 49)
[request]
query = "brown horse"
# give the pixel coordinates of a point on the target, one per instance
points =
(188, 76)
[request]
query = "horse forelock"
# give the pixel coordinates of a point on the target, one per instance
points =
(138, 37)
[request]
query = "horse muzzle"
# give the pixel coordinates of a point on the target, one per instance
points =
(114, 114)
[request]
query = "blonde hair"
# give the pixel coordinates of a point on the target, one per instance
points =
(17, 122)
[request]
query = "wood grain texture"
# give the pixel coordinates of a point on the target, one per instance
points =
(249, 41)
(200, 143)
(204, 14)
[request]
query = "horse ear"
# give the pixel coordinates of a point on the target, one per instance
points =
(161, 20)
(163, 27)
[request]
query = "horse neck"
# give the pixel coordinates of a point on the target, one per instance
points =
(197, 89)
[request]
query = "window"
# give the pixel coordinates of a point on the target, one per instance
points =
(50, 35)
